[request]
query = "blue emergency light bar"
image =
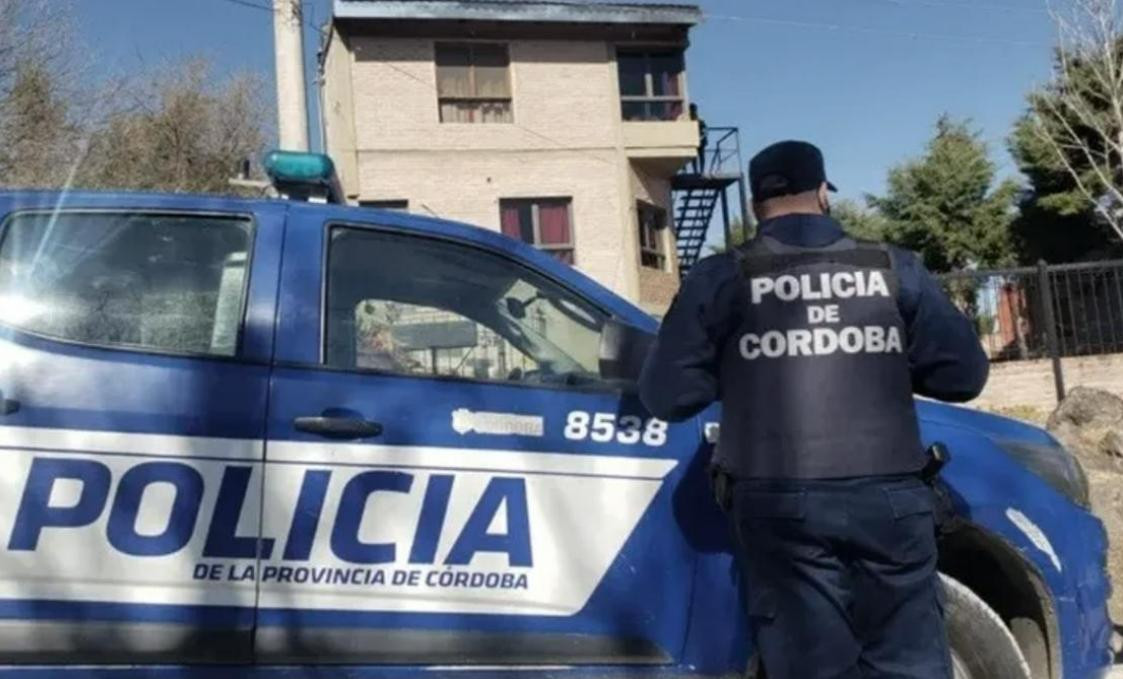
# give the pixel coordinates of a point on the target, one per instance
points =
(304, 176)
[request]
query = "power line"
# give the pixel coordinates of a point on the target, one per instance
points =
(869, 30)
(558, 143)
(999, 7)
(265, 8)
(756, 19)
(544, 137)
(248, 3)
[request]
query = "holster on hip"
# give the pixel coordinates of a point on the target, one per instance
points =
(722, 485)
(946, 519)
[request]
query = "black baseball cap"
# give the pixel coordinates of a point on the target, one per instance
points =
(786, 168)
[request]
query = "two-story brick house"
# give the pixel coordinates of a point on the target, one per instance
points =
(557, 122)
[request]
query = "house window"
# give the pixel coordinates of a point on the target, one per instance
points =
(473, 83)
(402, 205)
(652, 223)
(543, 222)
(650, 84)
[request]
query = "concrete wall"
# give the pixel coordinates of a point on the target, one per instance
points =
(563, 95)
(467, 186)
(1028, 385)
(338, 107)
(656, 287)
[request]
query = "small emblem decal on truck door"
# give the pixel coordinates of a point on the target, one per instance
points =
(465, 421)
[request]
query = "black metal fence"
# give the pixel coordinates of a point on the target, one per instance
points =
(1044, 311)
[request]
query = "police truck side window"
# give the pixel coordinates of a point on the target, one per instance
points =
(167, 283)
(419, 306)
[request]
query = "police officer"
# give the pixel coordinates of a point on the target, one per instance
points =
(815, 343)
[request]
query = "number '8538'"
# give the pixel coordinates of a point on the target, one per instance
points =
(606, 427)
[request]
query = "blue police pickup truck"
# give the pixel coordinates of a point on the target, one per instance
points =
(269, 438)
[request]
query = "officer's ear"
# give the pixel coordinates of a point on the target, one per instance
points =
(824, 198)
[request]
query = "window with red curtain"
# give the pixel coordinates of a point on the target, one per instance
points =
(542, 222)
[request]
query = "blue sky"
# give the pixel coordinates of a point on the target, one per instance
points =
(863, 79)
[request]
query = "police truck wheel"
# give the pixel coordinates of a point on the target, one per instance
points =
(982, 646)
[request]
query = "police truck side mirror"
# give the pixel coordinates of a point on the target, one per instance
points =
(623, 348)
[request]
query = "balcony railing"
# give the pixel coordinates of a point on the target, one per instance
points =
(719, 153)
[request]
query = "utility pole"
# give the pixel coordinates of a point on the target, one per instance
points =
(292, 107)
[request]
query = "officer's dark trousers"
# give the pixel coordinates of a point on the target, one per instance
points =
(841, 578)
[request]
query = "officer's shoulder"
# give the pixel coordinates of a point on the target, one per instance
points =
(910, 272)
(714, 268)
(905, 259)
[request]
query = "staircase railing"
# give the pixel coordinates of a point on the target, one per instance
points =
(700, 186)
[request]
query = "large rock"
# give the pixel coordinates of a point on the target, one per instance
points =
(1089, 422)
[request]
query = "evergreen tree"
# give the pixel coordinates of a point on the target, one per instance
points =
(945, 205)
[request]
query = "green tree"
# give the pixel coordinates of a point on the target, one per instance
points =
(945, 205)
(737, 235)
(859, 220)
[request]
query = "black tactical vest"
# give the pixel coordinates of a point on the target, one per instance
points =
(815, 381)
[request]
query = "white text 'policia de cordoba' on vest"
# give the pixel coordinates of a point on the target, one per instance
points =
(816, 291)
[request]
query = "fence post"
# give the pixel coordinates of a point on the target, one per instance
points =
(1046, 286)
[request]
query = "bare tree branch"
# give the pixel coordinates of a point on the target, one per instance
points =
(1079, 115)
(174, 129)
(1081, 185)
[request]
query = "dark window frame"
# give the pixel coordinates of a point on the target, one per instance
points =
(248, 218)
(649, 99)
(474, 99)
(401, 204)
(652, 241)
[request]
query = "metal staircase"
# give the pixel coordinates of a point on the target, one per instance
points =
(700, 188)
(694, 208)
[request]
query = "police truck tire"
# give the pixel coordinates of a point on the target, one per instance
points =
(982, 646)
(1031, 639)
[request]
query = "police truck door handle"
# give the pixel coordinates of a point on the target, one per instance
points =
(338, 427)
(7, 405)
